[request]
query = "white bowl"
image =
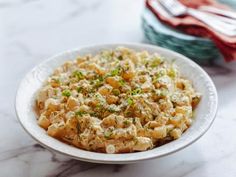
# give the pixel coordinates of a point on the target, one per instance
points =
(205, 112)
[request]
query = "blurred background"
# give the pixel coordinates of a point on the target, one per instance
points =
(33, 30)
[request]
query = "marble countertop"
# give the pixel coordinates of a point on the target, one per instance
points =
(32, 30)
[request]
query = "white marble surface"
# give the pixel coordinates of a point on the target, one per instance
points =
(32, 30)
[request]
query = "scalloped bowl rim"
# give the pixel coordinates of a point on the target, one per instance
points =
(205, 112)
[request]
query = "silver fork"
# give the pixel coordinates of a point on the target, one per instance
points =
(178, 9)
(222, 12)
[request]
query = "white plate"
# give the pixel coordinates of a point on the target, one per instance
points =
(205, 112)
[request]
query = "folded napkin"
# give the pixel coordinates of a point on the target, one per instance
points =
(190, 25)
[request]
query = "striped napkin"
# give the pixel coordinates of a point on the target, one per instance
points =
(190, 25)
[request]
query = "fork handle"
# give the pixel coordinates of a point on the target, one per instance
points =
(225, 19)
(213, 23)
(222, 12)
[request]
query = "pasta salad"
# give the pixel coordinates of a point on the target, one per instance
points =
(117, 101)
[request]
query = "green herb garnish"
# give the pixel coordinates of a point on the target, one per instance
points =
(161, 73)
(122, 82)
(116, 92)
(107, 134)
(100, 78)
(79, 89)
(126, 122)
(94, 114)
(156, 61)
(116, 71)
(55, 92)
(66, 93)
(80, 113)
(130, 101)
(136, 91)
(98, 83)
(120, 57)
(78, 74)
(172, 72)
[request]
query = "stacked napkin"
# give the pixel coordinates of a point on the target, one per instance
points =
(190, 25)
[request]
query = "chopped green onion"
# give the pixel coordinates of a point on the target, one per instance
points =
(126, 67)
(55, 92)
(126, 122)
(134, 121)
(136, 91)
(99, 105)
(80, 113)
(100, 78)
(120, 57)
(115, 72)
(78, 74)
(66, 93)
(94, 114)
(172, 72)
(107, 134)
(161, 72)
(116, 92)
(98, 83)
(156, 61)
(130, 101)
(122, 82)
(79, 89)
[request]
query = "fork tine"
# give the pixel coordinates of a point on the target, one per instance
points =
(174, 7)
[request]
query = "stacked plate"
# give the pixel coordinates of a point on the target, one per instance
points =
(199, 49)
(160, 34)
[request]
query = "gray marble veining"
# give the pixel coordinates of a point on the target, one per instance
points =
(32, 30)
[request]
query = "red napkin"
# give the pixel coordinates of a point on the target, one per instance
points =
(190, 25)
